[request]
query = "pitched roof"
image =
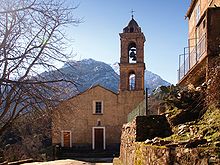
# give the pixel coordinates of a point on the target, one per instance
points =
(191, 7)
(132, 25)
(92, 87)
(98, 85)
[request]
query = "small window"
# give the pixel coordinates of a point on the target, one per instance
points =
(98, 107)
(204, 22)
(197, 13)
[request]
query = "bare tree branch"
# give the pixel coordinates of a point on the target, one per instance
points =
(31, 39)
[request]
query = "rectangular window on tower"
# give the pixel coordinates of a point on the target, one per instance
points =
(98, 107)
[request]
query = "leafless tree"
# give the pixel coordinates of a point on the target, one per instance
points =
(32, 39)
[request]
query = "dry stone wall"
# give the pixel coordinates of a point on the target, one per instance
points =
(159, 152)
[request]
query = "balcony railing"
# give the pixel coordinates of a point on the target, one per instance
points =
(191, 56)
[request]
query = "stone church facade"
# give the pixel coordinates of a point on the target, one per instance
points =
(93, 119)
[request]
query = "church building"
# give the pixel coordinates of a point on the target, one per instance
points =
(92, 120)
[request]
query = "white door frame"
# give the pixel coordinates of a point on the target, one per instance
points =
(62, 140)
(93, 137)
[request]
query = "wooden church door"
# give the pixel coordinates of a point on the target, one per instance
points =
(66, 139)
(99, 138)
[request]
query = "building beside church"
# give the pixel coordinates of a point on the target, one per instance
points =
(93, 119)
(200, 61)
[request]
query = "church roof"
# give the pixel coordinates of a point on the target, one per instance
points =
(99, 85)
(92, 87)
(133, 23)
(132, 27)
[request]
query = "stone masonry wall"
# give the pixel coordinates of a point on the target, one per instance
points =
(127, 147)
(214, 56)
(142, 128)
(145, 153)
(149, 127)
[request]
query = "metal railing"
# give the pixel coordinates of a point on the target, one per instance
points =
(191, 56)
(140, 110)
(201, 46)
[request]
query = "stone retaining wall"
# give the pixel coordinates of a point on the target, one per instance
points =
(143, 154)
(147, 153)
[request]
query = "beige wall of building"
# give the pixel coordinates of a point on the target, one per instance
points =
(204, 50)
(197, 28)
(77, 115)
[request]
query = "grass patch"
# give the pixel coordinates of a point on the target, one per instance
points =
(207, 127)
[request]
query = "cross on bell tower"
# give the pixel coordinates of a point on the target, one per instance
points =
(132, 13)
(132, 64)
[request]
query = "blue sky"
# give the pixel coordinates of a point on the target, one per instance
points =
(162, 22)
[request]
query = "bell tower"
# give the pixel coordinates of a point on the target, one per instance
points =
(132, 65)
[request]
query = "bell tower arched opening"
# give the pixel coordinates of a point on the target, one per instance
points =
(132, 80)
(132, 53)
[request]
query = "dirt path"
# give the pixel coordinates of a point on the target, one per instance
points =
(66, 162)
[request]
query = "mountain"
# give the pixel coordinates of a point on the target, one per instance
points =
(88, 72)
(153, 81)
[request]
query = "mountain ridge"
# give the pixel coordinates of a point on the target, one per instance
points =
(89, 72)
